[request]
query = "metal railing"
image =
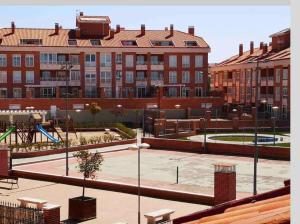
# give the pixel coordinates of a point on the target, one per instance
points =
(13, 213)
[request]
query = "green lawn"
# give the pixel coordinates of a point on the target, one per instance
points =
(234, 138)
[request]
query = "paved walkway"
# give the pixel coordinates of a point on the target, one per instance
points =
(209, 138)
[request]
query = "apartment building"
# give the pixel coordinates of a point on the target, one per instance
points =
(236, 76)
(102, 62)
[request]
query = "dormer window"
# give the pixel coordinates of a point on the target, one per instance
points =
(129, 43)
(95, 42)
(72, 42)
(158, 43)
(31, 41)
(191, 43)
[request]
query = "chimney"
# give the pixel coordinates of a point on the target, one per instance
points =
(13, 27)
(265, 48)
(77, 33)
(143, 29)
(192, 30)
(118, 28)
(56, 28)
(251, 47)
(112, 34)
(241, 50)
(261, 45)
(0, 40)
(81, 13)
(171, 30)
(270, 43)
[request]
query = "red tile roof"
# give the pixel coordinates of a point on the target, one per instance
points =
(49, 38)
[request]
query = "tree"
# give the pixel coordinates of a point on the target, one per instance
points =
(88, 164)
(94, 109)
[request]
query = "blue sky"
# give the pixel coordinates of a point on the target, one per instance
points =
(223, 27)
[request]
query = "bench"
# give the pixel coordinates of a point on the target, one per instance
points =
(163, 213)
(38, 202)
(10, 180)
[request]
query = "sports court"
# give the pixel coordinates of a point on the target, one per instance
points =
(158, 169)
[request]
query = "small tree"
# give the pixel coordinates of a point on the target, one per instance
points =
(94, 110)
(88, 164)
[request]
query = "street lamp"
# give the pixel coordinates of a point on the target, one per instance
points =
(204, 123)
(275, 109)
(264, 102)
(67, 66)
(139, 147)
(78, 111)
(258, 60)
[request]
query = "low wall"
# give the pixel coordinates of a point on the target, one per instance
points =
(20, 155)
(119, 187)
(266, 152)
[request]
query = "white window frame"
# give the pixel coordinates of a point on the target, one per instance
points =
(3, 60)
(29, 60)
(3, 76)
(129, 77)
(105, 59)
(173, 61)
(199, 61)
(119, 75)
(48, 58)
(29, 77)
(75, 75)
(129, 61)
(285, 74)
(186, 61)
(186, 77)
(90, 60)
(19, 91)
(199, 76)
(172, 77)
(197, 91)
(277, 75)
(105, 77)
(118, 59)
(172, 92)
(16, 60)
(18, 75)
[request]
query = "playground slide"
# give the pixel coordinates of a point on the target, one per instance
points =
(7, 133)
(44, 132)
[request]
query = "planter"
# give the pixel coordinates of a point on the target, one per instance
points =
(81, 209)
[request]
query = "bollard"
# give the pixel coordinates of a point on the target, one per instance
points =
(177, 176)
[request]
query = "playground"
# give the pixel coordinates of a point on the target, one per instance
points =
(158, 169)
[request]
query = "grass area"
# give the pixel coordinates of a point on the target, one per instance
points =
(184, 139)
(233, 138)
(248, 132)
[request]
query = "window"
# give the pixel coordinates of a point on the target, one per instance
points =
(277, 93)
(185, 92)
(3, 77)
(105, 60)
(61, 58)
(157, 60)
(284, 91)
(17, 77)
(47, 58)
(90, 79)
(158, 43)
(198, 91)
(17, 93)
(140, 76)
(72, 42)
(17, 60)
(75, 59)
(140, 60)
(3, 60)
(129, 43)
(75, 75)
(119, 59)
(172, 61)
(90, 60)
(191, 43)
(29, 60)
(156, 75)
(129, 77)
(285, 74)
(118, 75)
(29, 77)
(31, 41)
(90, 85)
(95, 42)
(129, 61)
(185, 61)
(277, 75)
(198, 61)
(3, 92)
(49, 92)
(172, 77)
(105, 77)
(45, 76)
(185, 77)
(129, 91)
(107, 91)
(172, 92)
(198, 77)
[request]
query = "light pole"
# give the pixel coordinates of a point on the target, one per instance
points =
(204, 123)
(78, 111)
(256, 124)
(264, 102)
(67, 66)
(139, 147)
(275, 109)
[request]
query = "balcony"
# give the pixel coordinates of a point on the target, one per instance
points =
(57, 81)
(158, 82)
(141, 67)
(56, 66)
